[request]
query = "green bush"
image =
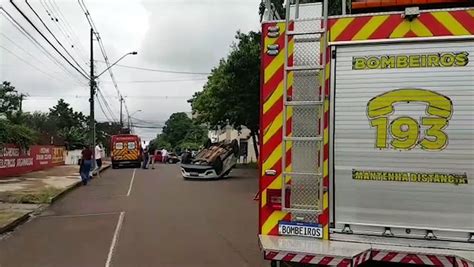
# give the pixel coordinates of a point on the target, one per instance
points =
(16, 134)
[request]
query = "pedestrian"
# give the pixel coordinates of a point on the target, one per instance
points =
(152, 151)
(145, 158)
(164, 155)
(86, 164)
(98, 155)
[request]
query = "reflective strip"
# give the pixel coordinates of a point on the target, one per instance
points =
(458, 22)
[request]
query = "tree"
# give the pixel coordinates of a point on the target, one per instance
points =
(104, 131)
(180, 132)
(10, 99)
(16, 134)
(66, 117)
(231, 94)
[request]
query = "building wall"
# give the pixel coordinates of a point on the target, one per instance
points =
(230, 133)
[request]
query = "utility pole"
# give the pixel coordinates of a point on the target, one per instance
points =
(121, 116)
(21, 102)
(91, 100)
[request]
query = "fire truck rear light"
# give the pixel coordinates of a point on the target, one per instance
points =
(275, 28)
(270, 172)
(273, 47)
(274, 198)
(273, 34)
(272, 52)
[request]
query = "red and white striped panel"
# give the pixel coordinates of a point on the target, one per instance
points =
(460, 262)
(308, 259)
(361, 258)
(433, 260)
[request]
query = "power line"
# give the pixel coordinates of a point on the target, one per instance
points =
(108, 96)
(146, 127)
(104, 53)
(148, 121)
(103, 111)
(28, 63)
(106, 103)
(163, 71)
(21, 48)
(71, 33)
(25, 33)
(162, 81)
(47, 40)
(54, 36)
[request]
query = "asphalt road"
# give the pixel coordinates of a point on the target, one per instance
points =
(141, 217)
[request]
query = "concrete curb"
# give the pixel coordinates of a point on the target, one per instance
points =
(11, 226)
(18, 221)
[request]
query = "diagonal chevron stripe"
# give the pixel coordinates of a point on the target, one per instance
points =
(272, 221)
(451, 23)
(439, 23)
(338, 27)
(370, 27)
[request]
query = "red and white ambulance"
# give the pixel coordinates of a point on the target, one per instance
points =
(367, 135)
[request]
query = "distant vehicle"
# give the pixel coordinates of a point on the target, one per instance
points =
(158, 156)
(213, 162)
(126, 150)
(172, 158)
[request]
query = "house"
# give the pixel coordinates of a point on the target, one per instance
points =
(247, 151)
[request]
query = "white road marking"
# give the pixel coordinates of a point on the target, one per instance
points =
(131, 183)
(115, 239)
(78, 215)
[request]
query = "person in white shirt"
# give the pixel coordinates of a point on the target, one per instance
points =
(98, 155)
(164, 155)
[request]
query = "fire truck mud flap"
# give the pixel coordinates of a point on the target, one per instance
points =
(342, 253)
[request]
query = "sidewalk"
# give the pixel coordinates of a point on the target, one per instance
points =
(22, 195)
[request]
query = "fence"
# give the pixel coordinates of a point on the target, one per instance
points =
(15, 160)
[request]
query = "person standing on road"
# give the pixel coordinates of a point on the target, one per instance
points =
(86, 164)
(98, 155)
(145, 158)
(152, 151)
(164, 155)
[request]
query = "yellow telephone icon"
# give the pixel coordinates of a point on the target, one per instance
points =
(405, 130)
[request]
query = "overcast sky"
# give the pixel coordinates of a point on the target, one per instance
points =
(178, 35)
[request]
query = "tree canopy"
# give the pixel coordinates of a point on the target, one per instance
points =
(62, 123)
(232, 93)
(180, 132)
(10, 99)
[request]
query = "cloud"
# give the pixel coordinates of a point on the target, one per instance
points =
(194, 35)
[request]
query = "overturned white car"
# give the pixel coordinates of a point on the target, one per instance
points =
(215, 161)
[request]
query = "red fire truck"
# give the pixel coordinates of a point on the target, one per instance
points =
(367, 134)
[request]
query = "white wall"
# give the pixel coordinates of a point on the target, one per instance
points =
(72, 157)
(230, 133)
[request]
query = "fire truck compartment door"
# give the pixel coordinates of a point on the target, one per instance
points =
(404, 137)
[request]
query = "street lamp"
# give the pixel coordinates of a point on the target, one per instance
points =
(129, 118)
(129, 53)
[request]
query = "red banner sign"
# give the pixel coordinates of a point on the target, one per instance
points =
(16, 161)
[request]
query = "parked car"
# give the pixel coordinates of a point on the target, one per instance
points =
(158, 157)
(172, 158)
